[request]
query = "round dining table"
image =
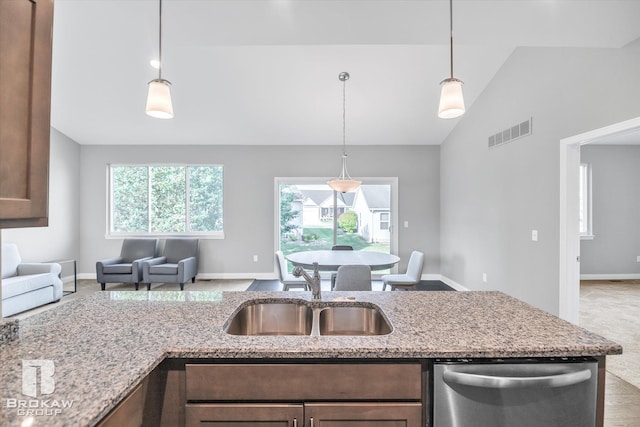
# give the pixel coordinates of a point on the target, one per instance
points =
(330, 260)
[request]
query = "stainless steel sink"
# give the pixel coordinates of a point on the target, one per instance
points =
(353, 320)
(300, 317)
(272, 318)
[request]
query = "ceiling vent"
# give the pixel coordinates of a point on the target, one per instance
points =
(518, 131)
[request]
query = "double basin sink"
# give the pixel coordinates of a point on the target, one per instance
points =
(314, 318)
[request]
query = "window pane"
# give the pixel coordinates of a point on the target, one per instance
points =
(130, 204)
(205, 198)
(168, 199)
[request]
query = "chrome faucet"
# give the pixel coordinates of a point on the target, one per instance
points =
(314, 282)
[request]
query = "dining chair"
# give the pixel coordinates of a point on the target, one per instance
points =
(287, 279)
(338, 248)
(410, 279)
(353, 278)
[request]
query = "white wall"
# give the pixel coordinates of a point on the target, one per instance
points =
(616, 211)
(249, 198)
(60, 239)
(491, 200)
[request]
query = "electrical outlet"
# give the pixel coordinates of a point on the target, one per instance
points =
(484, 277)
(255, 258)
(406, 224)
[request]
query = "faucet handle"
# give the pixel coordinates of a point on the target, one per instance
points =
(316, 273)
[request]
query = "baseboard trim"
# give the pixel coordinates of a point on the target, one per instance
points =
(455, 285)
(630, 276)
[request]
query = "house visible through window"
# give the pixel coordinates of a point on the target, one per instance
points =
(165, 199)
(384, 221)
(585, 201)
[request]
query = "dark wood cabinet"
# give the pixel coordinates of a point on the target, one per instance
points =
(309, 414)
(244, 415)
(304, 394)
(25, 105)
(357, 414)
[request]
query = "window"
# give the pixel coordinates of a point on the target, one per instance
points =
(586, 231)
(305, 219)
(384, 221)
(165, 200)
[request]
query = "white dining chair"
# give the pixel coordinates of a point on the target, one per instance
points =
(410, 279)
(353, 278)
(287, 279)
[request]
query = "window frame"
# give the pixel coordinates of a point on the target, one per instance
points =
(110, 234)
(394, 211)
(585, 200)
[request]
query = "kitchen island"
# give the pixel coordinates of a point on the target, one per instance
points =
(102, 346)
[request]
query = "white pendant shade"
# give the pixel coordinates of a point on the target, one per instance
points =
(159, 99)
(344, 185)
(451, 99)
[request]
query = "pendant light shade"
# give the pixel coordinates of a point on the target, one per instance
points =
(344, 183)
(159, 96)
(159, 99)
(451, 99)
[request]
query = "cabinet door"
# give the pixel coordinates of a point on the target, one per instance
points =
(244, 415)
(364, 414)
(25, 105)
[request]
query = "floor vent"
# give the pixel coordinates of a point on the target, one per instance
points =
(518, 131)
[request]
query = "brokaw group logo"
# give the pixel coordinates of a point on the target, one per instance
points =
(37, 380)
(30, 381)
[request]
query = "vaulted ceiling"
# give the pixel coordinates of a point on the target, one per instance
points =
(265, 72)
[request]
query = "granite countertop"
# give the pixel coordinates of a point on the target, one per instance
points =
(104, 344)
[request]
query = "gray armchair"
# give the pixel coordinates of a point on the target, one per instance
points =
(127, 268)
(178, 263)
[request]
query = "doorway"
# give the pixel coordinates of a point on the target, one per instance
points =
(311, 216)
(569, 278)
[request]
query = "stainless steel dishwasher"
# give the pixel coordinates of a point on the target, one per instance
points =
(528, 393)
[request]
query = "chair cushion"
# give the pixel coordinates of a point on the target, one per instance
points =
(19, 285)
(117, 269)
(136, 248)
(171, 269)
(401, 279)
(177, 249)
(10, 260)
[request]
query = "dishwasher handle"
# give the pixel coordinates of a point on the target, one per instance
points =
(500, 382)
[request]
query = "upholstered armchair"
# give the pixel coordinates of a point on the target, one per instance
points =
(178, 263)
(127, 268)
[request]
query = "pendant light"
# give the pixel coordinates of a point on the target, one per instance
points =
(451, 99)
(344, 183)
(159, 96)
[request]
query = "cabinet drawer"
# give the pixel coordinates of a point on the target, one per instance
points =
(273, 382)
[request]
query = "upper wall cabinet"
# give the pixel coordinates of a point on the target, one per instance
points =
(25, 105)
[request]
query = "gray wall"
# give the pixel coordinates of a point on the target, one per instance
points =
(492, 199)
(615, 211)
(60, 240)
(249, 203)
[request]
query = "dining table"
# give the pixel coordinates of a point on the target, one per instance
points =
(329, 260)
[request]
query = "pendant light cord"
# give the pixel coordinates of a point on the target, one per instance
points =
(344, 115)
(451, 33)
(160, 41)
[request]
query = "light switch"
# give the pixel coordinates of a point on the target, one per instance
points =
(406, 224)
(534, 235)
